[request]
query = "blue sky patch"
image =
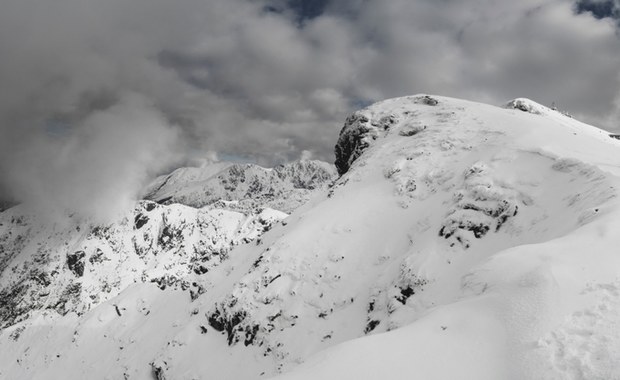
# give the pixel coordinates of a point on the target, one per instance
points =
(302, 9)
(600, 9)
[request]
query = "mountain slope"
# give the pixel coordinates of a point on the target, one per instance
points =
(75, 266)
(462, 240)
(511, 217)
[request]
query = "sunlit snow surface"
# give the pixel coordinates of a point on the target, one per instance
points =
(466, 241)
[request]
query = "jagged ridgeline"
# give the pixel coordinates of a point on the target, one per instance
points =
(456, 239)
(78, 266)
(243, 186)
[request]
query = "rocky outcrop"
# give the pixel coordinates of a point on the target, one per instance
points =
(75, 268)
(480, 206)
(363, 127)
(354, 138)
(306, 174)
(75, 262)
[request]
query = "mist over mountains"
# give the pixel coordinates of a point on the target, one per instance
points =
(100, 97)
(246, 189)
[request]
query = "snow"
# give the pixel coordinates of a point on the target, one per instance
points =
(242, 187)
(462, 240)
(515, 304)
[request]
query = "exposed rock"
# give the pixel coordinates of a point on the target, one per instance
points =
(76, 262)
(97, 257)
(73, 269)
(159, 369)
(354, 138)
(428, 100)
(306, 174)
(480, 206)
(140, 220)
(243, 187)
(411, 130)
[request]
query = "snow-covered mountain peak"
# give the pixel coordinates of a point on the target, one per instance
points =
(410, 115)
(461, 240)
(497, 207)
(249, 186)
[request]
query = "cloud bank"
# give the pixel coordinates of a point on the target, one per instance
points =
(97, 96)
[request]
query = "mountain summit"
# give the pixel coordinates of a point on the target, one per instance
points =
(460, 240)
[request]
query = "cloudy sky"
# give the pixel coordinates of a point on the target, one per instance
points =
(97, 96)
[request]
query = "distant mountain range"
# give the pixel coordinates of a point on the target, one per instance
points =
(243, 186)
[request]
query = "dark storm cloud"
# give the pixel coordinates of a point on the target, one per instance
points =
(599, 8)
(301, 10)
(97, 96)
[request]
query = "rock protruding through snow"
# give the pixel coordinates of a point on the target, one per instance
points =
(461, 241)
(243, 187)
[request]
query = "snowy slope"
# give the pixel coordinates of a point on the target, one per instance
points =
(55, 272)
(511, 218)
(76, 265)
(284, 187)
(462, 240)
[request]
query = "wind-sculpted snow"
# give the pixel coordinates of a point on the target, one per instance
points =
(460, 241)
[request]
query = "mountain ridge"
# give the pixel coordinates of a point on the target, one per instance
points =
(284, 187)
(461, 240)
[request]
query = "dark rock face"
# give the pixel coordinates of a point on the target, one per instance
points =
(159, 369)
(428, 100)
(140, 220)
(356, 136)
(353, 140)
(75, 262)
(36, 286)
(149, 206)
(12, 309)
(387, 301)
(371, 326)
(231, 325)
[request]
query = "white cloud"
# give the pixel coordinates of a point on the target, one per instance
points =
(97, 170)
(236, 80)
